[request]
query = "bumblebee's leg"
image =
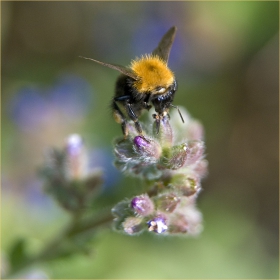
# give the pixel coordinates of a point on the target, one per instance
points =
(119, 118)
(132, 115)
(146, 102)
(147, 106)
(157, 121)
(130, 112)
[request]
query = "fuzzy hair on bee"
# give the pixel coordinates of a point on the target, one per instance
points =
(145, 83)
(152, 72)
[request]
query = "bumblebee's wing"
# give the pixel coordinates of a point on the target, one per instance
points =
(164, 46)
(122, 69)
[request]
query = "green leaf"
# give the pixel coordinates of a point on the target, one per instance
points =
(18, 253)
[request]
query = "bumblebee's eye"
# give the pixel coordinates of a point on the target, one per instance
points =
(160, 89)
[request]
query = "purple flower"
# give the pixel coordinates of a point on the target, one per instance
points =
(147, 148)
(68, 177)
(74, 145)
(142, 205)
(157, 224)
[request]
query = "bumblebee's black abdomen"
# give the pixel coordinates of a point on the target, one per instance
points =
(126, 93)
(122, 86)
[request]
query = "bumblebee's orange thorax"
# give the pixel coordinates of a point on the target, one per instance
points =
(152, 72)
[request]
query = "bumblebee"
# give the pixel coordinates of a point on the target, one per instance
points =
(145, 83)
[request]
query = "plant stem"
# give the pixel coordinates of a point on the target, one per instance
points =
(54, 249)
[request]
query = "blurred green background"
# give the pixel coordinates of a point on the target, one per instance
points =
(226, 60)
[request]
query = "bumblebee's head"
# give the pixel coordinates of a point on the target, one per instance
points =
(151, 74)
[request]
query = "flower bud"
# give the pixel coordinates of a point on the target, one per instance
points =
(157, 224)
(168, 202)
(178, 224)
(148, 148)
(178, 157)
(74, 144)
(76, 167)
(124, 153)
(123, 150)
(133, 225)
(142, 205)
(189, 186)
(186, 219)
(174, 158)
(122, 209)
(195, 151)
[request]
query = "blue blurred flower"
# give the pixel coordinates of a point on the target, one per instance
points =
(69, 99)
(72, 95)
(28, 108)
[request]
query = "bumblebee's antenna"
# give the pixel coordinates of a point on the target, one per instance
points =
(178, 112)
